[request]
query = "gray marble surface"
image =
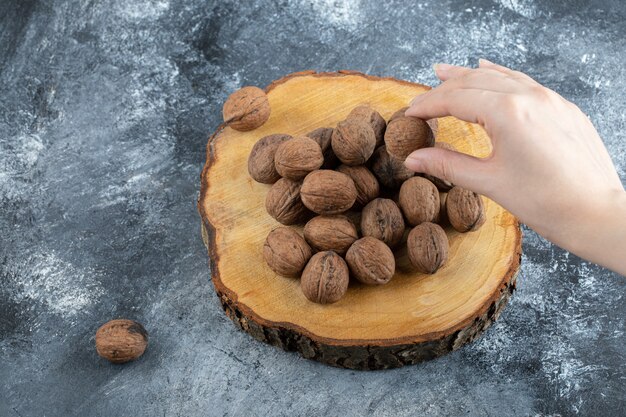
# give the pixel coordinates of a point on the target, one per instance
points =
(105, 107)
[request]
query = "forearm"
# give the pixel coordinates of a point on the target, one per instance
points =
(599, 234)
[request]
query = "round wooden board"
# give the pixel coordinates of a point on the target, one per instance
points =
(414, 317)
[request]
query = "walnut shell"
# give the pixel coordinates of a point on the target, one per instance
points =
(442, 185)
(371, 261)
(286, 252)
(428, 247)
(325, 278)
(353, 141)
(381, 218)
(295, 158)
(465, 209)
(323, 137)
(407, 134)
(433, 123)
(334, 233)
(390, 171)
(261, 160)
(283, 202)
(246, 109)
(419, 201)
(366, 184)
(121, 340)
(328, 192)
(371, 116)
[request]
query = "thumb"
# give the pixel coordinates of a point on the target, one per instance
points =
(458, 168)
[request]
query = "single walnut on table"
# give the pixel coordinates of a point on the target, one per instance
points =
(328, 192)
(419, 201)
(284, 204)
(428, 247)
(382, 219)
(286, 252)
(371, 261)
(261, 160)
(295, 158)
(121, 340)
(334, 233)
(246, 109)
(325, 278)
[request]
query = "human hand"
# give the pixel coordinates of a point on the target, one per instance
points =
(548, 167)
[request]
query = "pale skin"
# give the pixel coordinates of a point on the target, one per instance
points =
(548, 167)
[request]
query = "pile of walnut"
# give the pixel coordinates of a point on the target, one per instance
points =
(334, 179)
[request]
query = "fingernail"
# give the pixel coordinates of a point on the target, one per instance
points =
(413, 163)
(483, 61)
(441, 67)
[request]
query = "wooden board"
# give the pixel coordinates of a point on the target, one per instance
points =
(414, 317)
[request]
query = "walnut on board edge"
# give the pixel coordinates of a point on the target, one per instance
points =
(295, 158)
(246, 109)
(261, 160)
(284, 204)
(381, 218)
(371, 261)
(328, 192)
(335, 232)
(286, 252)
(465, 209)
(428, 247)
(371, 116)
(325, 278)
(121, 340)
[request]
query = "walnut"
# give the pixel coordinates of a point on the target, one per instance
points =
(371, 116)
(328, 192)
(353, 141)
(367, 187)
(465, 209)
(121, 340)
(442, 185)
(398, 113)
(323, 137)
(295, 158)
(325, 278)
(433, 123)
(381, 218)
(407, 134)
(371, 261)
(419, 201)
(428, 246)
(389, 170)
(261, 160)
(334, 233)
(286, 252)
(283, 202)
(246, 109)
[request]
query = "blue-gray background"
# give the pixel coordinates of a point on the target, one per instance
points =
(105, 108)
